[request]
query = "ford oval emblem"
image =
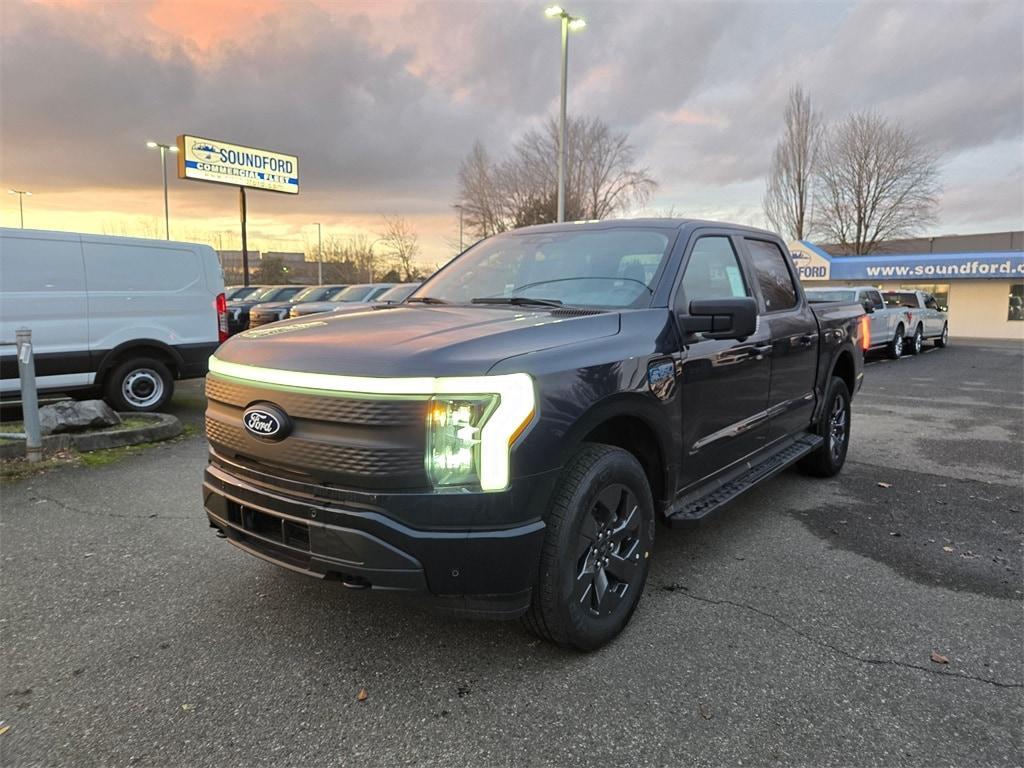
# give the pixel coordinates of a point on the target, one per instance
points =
(266, 422)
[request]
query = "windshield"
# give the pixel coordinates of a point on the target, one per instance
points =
(316, 293)
(354, 293)
(819, 296)
(588, 268)
(901, 299)
(398, 293)
(240, 292)
(276, 293)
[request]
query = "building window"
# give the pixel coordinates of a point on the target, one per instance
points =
(1016, 309)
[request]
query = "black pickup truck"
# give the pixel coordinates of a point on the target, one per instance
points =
(508, 437)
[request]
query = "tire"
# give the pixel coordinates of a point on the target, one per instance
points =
(895, 348)
(828, 460)
(142, 384)
(943, 340)
(600, 531)
(917, 341)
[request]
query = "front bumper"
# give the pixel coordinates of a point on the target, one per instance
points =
(486, 573)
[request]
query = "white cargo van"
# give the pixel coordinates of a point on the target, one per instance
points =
(112, 316)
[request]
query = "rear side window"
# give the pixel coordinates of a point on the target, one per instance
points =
(713, 272)
(773, 275)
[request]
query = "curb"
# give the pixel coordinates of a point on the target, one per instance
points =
(163, 426)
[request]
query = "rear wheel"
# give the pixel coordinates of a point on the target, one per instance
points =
(834, 427)
(895, 348)
(594, 563)
(142, 384)
(943, 339)
(917, 342)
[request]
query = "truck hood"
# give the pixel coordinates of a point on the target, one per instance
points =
(410, 340)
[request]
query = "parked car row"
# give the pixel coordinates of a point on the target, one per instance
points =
(253, 306)
(899, 321)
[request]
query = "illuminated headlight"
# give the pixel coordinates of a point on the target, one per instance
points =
(454, 425)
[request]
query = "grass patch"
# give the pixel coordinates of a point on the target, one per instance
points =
(13, 470)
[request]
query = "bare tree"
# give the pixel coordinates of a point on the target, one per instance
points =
(788, 196)
(874, 182)
(402, 246)
(602, 178)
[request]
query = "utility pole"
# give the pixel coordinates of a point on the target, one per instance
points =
(21, 202)
(319, 255)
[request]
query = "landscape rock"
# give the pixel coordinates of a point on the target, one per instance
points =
(71, 416)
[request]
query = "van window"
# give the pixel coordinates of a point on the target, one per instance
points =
(773, 275)
(40, 265)
(713, 272)
(137, 268)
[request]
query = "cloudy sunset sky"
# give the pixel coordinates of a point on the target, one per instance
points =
(381, 100)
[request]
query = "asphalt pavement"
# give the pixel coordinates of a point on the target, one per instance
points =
(799, 627)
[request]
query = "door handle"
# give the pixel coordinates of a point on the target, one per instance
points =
(806, 340)
(762, 349)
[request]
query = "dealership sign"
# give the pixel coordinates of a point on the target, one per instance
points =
(813, 263)
(224, 163)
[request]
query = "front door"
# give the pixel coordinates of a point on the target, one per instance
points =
(724, 383)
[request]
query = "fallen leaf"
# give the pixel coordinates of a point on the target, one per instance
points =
(4, 729)
(895, 533)
(187, 707)
(947, 549)
(884, 485)
(704, 713)
(938, 658)
(362, 695)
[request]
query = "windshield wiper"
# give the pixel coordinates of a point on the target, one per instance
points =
(517, 301)
(425, 300)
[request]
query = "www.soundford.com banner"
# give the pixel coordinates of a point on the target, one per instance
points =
(813, 263)
(240, 166)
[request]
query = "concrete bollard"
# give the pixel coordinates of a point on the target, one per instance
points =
(29, 398)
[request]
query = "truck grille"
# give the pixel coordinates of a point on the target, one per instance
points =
(344, 442)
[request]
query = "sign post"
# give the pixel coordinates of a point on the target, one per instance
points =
(220, 162)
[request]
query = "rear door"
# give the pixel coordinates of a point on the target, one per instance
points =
(793, 333)
(42, 288)
(724, 383)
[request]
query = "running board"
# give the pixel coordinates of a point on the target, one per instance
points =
(693, 509)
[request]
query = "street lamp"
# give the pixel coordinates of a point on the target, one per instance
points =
(319, 255)
(21, 202)
(461, 209)
(164, 149)
(574, 23)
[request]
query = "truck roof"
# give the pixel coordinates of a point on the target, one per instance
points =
(664, 223)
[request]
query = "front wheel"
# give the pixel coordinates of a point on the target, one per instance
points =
(943, 339)
(834, 427)
(596, 553)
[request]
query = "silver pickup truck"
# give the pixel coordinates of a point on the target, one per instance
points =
(899, 321)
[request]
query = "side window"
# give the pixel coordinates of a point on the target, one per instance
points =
(773, 275)
(929, 301)
(876, 299)
(713, 272)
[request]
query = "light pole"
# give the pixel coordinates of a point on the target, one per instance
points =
(164, 149)
(460, 226)
(21, 202)
(574, 23)
(319, 255)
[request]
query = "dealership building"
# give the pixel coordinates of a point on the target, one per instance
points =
(979, 278)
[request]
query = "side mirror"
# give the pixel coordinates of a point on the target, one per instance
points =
(868, 306)
(721, 318)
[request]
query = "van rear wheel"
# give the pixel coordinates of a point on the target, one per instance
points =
(596, 553)
(142, 384)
